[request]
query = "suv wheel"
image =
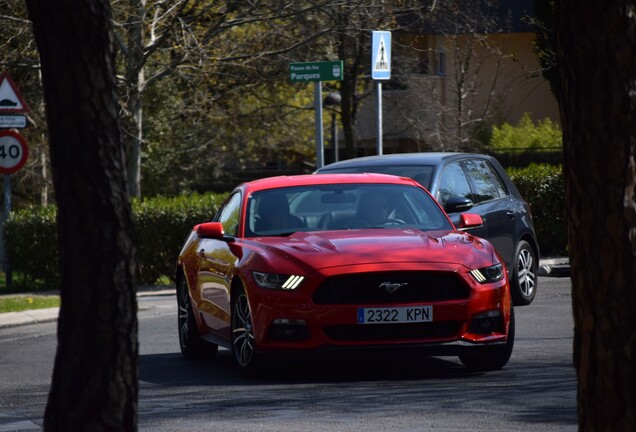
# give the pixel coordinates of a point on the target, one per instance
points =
(523, 283)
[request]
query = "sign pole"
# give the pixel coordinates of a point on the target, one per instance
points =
(379, 119)
(320, 145)
(13, 154)
(317, 72)
(380, 70)
(5, 215)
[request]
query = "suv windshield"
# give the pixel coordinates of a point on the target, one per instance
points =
(420, 173)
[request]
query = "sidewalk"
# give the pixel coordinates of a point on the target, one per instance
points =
(35, 316)
(550, 267)
(554, 267)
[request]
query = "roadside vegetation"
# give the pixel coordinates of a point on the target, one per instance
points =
(218, 109)
(15, 302)
(19, 303)
(162, 223)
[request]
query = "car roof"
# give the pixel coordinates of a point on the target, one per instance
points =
(425, 158)
(323, 179)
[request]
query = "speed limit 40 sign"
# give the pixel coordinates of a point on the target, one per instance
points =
(13, 152)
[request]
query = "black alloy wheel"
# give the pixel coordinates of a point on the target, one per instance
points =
(192, 346)
(243, 341)
(523, 284)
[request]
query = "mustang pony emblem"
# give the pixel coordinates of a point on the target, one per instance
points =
(391, 287)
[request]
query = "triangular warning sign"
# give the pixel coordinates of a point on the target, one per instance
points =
(10, 99)
(381, 58)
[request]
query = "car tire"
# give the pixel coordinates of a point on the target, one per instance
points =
(492, 358)
(192, 346)
(243, 341)
(523, 284)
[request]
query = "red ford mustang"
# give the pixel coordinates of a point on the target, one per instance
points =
(341, 262)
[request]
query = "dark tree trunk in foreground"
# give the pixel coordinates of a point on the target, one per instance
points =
(94, 385)
(597, 61)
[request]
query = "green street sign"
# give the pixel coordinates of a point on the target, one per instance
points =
(316, 71)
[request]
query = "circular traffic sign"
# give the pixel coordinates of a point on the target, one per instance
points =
(13, 152)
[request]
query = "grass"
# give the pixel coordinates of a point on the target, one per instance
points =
(15, 301)
(22, 302)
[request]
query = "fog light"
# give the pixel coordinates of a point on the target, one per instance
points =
(286, 329)
(487, 323)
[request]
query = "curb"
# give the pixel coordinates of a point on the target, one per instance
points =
(554, 267)
(36, 316)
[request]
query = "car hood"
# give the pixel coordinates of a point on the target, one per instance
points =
(324, 249)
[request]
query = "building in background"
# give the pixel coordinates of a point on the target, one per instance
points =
(456, 71)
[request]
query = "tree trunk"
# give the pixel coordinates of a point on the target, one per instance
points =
(597, 62)
(135, 84)
(94, 385)
(348, 102)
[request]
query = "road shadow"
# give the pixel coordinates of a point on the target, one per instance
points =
(172, 368)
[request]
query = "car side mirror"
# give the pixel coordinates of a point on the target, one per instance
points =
(470, 220)
(212, 230)
(457, 204)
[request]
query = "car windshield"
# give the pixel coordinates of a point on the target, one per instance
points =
(284, 211)
(420, 173)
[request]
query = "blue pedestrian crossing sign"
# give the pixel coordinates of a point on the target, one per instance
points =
(381, 55)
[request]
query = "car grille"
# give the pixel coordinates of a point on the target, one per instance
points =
(393, 332)
(391, 287)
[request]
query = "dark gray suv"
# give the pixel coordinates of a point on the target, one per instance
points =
(470, 183)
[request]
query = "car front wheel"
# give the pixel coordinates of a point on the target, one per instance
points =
(523, 284)
(492, 358)
(243, 341)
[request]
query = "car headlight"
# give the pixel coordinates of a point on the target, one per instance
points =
(490, 274)
(277, 281)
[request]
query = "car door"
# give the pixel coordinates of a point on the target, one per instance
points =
(493, 202)
(217, 262)
(454, 183)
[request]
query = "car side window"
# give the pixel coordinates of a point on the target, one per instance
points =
(229, 214)
(487, 183)
(453, 183)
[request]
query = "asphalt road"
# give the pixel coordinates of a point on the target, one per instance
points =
(535, 391)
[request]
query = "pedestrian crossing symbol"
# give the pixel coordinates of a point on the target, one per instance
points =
(381, 55)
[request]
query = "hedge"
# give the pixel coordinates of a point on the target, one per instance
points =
(160, 228)
(543, 188)
(31, 239)
(162, 224)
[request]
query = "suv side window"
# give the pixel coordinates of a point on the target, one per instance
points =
(229, 214)
(486, 181)
(453, 182)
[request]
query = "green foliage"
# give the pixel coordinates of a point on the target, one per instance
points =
(543, 187)
(526, 135)
(161, 226)
(31, 236)
(23, 302)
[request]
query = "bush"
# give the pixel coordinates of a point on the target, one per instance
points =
(160, 228)
(162, 224)
(526, 135)
(31, 238)
(543, 187)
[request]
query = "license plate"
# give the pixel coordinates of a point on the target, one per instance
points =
(395, 315)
